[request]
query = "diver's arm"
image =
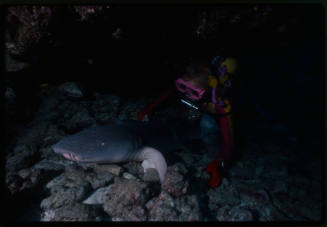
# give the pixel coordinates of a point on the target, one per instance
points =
(149, 109)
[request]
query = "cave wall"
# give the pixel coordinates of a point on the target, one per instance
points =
(138, 50)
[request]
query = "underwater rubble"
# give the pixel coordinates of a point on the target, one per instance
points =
(264, 185)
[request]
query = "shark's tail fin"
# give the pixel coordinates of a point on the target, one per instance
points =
(154, 159)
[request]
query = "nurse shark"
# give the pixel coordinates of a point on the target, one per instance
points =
(126, 141)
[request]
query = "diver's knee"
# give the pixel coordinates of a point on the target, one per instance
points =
(208, 125)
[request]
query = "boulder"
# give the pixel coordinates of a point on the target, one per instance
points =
(125, 193)
(62, 196)
(175, 183)
(162, 208)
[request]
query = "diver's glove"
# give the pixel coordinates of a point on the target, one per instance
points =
(149, 109)
(215, 170)
(142, 113)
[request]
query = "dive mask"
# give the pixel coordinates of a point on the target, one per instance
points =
(189, 90)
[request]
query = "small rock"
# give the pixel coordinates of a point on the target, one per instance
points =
(25, 173)
(113, 169)
(135, 168)
(48, 154)
(88, 166)
(27, 185)
(36, 176)
(10, 93)
(71, 89)
(98, 177)
(59, 180)
(79, 121)
(75, 173)
(48, 215)
(129, 176)
(48, 165)
(145, 118)
(117, 219)
(151, 175)
(97, 197)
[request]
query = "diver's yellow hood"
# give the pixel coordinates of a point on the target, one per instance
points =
(231, 64)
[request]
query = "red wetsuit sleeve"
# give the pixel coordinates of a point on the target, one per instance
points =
(224, 122)
(160, 99)
(148, 110)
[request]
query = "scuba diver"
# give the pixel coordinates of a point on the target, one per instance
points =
(206, 89)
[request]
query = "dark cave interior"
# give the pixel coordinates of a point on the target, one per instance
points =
(282, 71)
(279, 48)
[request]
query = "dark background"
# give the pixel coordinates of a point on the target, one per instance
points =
(282, 72)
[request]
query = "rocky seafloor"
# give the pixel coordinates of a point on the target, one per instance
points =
(270, 182)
